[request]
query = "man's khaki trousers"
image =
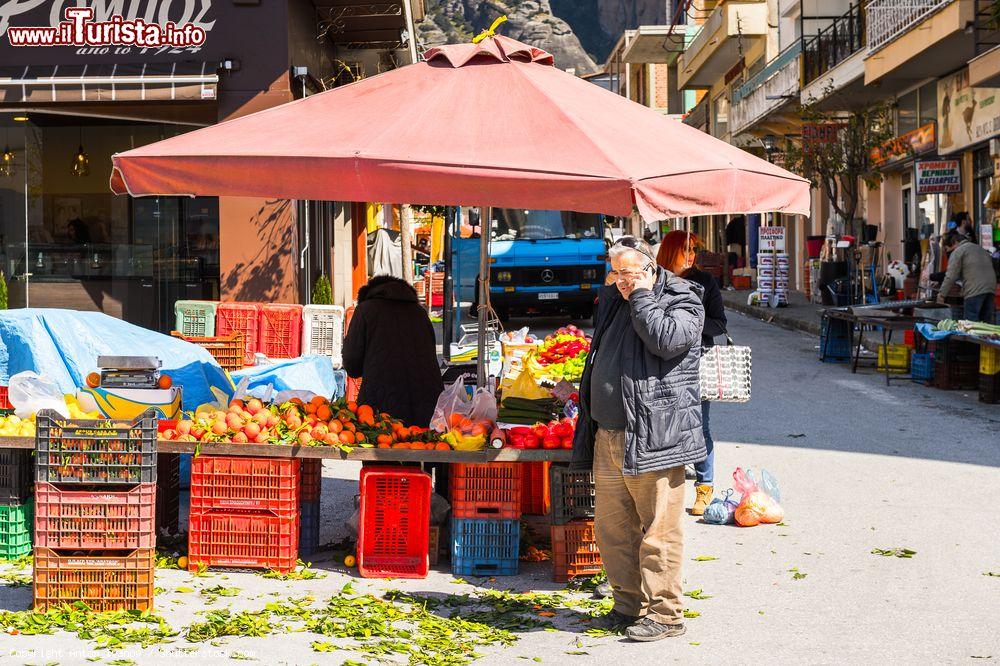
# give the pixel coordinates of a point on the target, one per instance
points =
(639, 531)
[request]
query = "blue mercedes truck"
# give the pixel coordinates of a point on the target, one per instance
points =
(541, 262)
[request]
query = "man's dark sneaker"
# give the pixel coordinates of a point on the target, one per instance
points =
(614, 621)
(647, 630)
(603, 590)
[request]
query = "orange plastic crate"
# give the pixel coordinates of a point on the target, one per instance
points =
(394, 523)
(241, 318)
(247, 484)
(536, 500)
(574, 551)
(228, 351)
(233, 539)
(95, 519)
(485, 490)
(280, 331)
(105, 581)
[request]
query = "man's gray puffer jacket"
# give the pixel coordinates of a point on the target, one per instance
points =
(660, 384)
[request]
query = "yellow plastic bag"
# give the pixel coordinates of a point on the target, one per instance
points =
(525, 386)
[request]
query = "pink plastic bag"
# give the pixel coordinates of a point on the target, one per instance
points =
(756, 507)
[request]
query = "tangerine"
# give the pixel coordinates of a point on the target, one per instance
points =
(336, 426)
(352, 406)
(94, 379)
(323, 413)
(347, 437)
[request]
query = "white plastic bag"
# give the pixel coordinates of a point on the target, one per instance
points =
(484, 406)
(453, 400)
(30, 393)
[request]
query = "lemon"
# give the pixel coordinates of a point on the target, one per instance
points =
(350, 561)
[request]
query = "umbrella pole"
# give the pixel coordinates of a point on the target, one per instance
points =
(485, 229)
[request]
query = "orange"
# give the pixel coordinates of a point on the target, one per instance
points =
(401, 445)
(359, 437)
(237, 403)
(455, 420)
(336, 426)
(296, 401)
(318, 400)
(347, 437)
(323, 413)
(442, 446)
(350, 426)
(352, 406)
(404, 433)
(384, 445)
(383, 439)
(94, 380)
(310, 408)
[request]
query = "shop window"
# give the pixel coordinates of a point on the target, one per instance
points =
(982, 180)
(720, 116)
(927, 104)
(67, 241)
(906, 113)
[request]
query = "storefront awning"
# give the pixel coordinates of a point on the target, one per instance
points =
(46, 84)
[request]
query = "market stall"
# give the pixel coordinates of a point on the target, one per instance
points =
(566, 145)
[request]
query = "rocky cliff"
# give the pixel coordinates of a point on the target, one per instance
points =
(579, 33)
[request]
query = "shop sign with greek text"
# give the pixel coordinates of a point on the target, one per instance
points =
(938, 176)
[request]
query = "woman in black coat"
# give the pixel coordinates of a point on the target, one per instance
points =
(390, 345)
(677, 255)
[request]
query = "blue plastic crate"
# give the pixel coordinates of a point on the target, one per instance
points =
(834, 350)
(308, 528)
(484, 547)
(838, 329)
(185, 472)
(922, 367)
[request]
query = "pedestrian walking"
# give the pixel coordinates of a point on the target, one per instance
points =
(639, 424)
(677, 254)
(973, 266)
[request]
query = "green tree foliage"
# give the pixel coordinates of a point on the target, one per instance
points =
(322, 291)
(3, 292)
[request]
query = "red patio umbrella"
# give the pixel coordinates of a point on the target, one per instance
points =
(489, 123)
(492, 123)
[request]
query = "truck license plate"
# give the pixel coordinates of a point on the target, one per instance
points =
(548, 296)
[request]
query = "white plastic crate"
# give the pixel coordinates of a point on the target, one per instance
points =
(195, 318)
(323, 331)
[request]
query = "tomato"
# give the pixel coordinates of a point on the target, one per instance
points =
(515, 441)
(567, 442)
(562, 429)
(540, 431)
(520, 431)
(551, 442)
(532, 442)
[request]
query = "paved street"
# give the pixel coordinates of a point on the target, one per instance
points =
(861, 466)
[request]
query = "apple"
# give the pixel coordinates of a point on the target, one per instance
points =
(261, 437)
(184, 427)
(254, 405)
(240, 438)
(251, 430)
(220, 428)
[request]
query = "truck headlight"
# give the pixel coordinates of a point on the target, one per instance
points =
(590, 274)
(503, 276)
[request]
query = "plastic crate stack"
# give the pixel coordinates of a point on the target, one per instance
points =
(394, 517)
(16, 503)
(956, 364)
(989, 374)
(310, 487)
(835, 341)
(574, 544)
(323, 332)
(242, 318)
(95, 512)
(922, 367)
(893, 358)
(536, 498)
(486, 518)
(244, 513)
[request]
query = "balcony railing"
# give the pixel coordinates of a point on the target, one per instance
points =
(834, 44)
(889, 19)
(773, 86)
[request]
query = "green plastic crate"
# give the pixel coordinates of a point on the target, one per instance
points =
(195, 318)
(15, 530)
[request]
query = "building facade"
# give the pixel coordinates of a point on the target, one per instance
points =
(67, 241)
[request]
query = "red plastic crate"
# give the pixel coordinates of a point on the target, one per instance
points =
(240, 318)
(485, 490)
(353, 388)
(574, 551)
(280, 331)
(311, 479)
(104, 581)
(536, 500)
(232, 539)
(95, 519)
(394, 523)
(908, 339)
(247, 484)
(4, 402)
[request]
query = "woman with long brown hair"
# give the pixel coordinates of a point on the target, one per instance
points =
(677, 254)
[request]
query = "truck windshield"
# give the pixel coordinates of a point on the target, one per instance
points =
(521, 224)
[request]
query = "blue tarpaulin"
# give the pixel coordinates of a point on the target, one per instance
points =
(931, 333)
(63, 346)
(314, 374)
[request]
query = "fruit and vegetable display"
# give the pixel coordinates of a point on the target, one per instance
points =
(552, 435)
(318, 422)
(465, 433)
(14, 426)
(525, 411)
(562, 355)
